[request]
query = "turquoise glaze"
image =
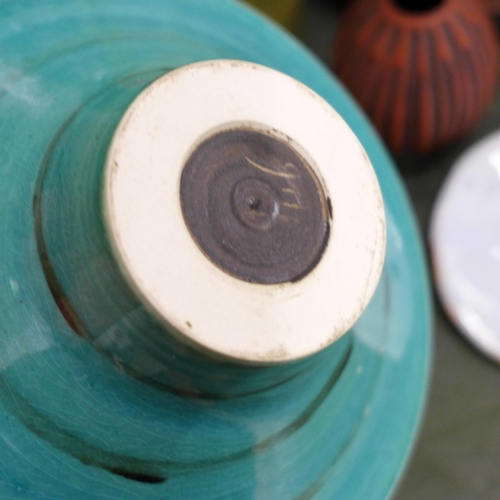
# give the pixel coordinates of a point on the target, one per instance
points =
(84, 416)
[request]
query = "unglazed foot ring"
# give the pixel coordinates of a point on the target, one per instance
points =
(218, 161)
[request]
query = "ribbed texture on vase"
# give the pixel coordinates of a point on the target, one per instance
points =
(426, 77)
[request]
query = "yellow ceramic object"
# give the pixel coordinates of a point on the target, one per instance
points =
(285, 12)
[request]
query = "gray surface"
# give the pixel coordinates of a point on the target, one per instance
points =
(457, 456)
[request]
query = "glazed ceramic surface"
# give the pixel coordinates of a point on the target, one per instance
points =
(424, 71)
(466, 245)
(75, 423)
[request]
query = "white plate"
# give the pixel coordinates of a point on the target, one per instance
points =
(465, 243)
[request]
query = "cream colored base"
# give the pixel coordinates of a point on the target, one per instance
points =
(200, 303)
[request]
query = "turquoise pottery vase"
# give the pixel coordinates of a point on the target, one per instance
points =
(95, 401)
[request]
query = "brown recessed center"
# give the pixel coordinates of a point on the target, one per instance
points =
(254, 206)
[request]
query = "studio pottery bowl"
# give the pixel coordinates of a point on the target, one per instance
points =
(107, 391)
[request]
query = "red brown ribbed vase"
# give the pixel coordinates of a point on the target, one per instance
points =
(425, 71)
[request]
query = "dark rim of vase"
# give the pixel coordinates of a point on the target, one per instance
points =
(418, 6)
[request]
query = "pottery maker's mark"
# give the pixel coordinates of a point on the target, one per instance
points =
(273, 172)
(254, 206)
